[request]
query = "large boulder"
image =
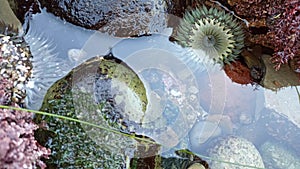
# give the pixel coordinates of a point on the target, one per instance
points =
(119, 18)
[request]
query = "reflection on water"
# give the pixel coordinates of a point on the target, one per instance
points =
(57, 47)
(171, 86)
(259, 115)
(66, 37)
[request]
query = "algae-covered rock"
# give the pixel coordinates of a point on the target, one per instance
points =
(111, 85)
(72, 147)
(183, 159)
(77, 145)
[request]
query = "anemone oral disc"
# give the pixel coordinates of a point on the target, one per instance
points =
(200, 24)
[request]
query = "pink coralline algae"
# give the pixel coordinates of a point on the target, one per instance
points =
(286, 33)
(18, 147)
(255, 11)
(282, 19)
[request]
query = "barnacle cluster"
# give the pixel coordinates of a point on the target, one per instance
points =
(30, 62)
(213, 31)
(15, 65)
(18, 147)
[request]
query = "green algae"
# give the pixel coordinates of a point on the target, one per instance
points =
(71, 146)
(121, 72)
(78, 145)
(183, 159)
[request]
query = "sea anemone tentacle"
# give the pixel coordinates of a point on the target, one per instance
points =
(215, 32)
(47, 68)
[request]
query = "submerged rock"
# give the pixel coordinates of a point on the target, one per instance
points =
(103, 92)
(119, 18)
(183, 159)
(285, 102)
(153, 102)
(172, 90)
(277, 156)
(78, 145)
(72, 147)
(112, 86)
(202, 132)
(281, 128)
(235, 150)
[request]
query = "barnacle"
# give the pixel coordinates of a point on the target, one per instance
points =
(29, 60)
(14, 65)
(213, 31)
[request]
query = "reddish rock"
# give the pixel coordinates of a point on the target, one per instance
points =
(238, 73)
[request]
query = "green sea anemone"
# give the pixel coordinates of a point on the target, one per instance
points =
(213, 31)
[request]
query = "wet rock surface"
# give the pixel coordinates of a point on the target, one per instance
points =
(7, 16)
(278, 156)
(202, 132)
(109, 88)
(119, 18)
(82, 146)
(281, 128)
(275, 80)
(21, 7)
(235, 150)
(182, 159)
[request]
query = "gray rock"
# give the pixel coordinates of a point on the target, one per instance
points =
(285, 102)
(275, 80)
(235, 150)
(120, 18)
(7, 16)
(277, 156)
(203, 131)
(281, 128)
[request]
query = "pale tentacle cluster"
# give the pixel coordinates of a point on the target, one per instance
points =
(47, 68)
(213, 31)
